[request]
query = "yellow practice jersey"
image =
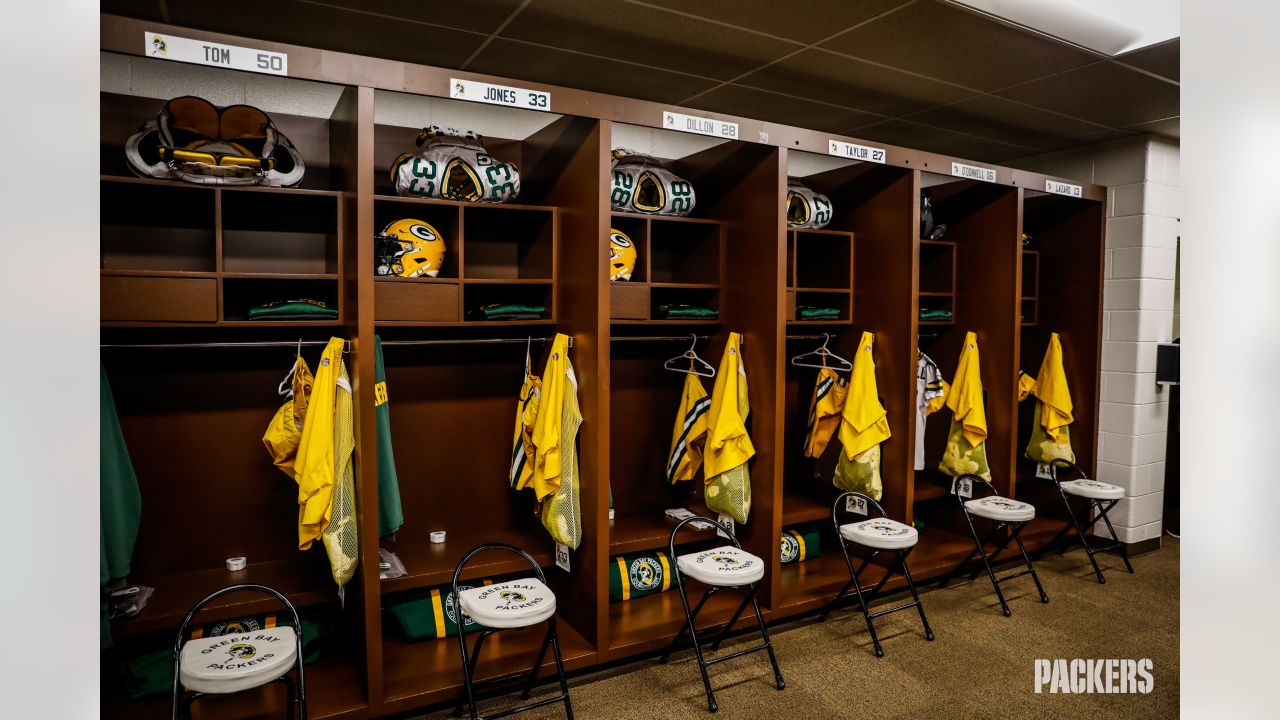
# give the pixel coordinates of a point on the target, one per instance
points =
(522, 450)
(965, 398)
(1052, 390)
(829, 394)
(690, 432)
(864, 422)
(315, 463)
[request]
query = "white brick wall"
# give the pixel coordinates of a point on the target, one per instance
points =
(1139, 305)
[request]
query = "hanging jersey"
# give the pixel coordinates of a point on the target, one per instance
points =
(728, 485)
(1026, 386)
(453, 165)
(864, 422)
(824, 411)
(522, 450)
(928, 389)
(555, 437)
(341, 539)
(284, 432)
(641, 184)
(314, 467)
(690, 432)
(390, 513)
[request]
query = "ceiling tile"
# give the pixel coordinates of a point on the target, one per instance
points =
(1169, 127)
(852, 83)
(517, 60)
(761, 105)
(921, 137)
(1091, 138)
(1161, 59)
(650, 36)
(1103, 93)
(947, 43)
(141, 9)
(328, 28)
(1001, 119)
(819, 18)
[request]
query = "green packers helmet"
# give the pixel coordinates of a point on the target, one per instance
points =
(409, 248)
(806, 208)
(622, 255)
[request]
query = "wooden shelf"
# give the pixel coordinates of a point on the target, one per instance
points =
(936, 294)
(648, 623)
(507, 281)
(421, 673)
(937, 322)
(278, 276)
(824, 290)
(125, 272)
(682, 286)
(664, 321)
(460, 203)
(417, 280)
(304, 580)
(663, 218)
(798, 509)
(465, 323)
(153, 182)
(638, 533)
(429, 564)
(930, 489)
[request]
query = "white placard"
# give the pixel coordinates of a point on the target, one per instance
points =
(562, 557)
(962, 487)
(973, 172)
(726, 520)
(855, 504)
(1061, 188)
(699, 125)
(1046, 471)
(865, 153)
(203, 52)
(484, 92)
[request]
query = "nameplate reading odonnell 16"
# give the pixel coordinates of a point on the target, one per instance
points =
(202, 52)
(864, 153)
(699, 125)
(499, 95)
(973, 172)
(1061, 188)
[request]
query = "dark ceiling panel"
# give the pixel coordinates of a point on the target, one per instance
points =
(1170, 127)
(1086, 139)
(518, 60)
(737, 100)
(814, 21)
(645, 35)
(141, 9)
(996, 117)
(945, 42)
(1103, 93)
(479, 15)
(920, 137)
(837, 79)
(1161, 59)
(330, 28)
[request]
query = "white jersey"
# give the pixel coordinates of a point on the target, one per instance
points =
(928, 387)
(806, 208)
(641, 184)
(453, 165)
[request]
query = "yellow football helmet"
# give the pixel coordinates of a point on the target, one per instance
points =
(409, 248)
(622, 255)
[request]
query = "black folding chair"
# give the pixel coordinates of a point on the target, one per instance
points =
(719, 568)
(297, 697)
(879, 535)
(1010, 518)
(509, 605)
(1102, 498)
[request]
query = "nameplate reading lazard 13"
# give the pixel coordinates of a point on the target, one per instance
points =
(864, 153)
(973, 172)
(201, 52)
(1061, 188)
(499, 95)
(699, 125)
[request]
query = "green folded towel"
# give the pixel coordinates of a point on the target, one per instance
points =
(818, 313)
(633, 576)
(935, 314)
(302, 309)
(428, 614)
(686, 311)
(508, 311)
(800, 544)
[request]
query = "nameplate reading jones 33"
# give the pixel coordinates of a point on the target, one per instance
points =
(499, 95)
(202, 52)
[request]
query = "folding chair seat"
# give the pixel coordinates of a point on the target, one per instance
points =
(1102, 497)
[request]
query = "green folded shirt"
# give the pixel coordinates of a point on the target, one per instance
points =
(818, 313)
(686, 311)
(301, 309)
(935, 314)
(508, 311)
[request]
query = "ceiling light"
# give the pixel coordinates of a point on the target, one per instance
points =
(1107, 26)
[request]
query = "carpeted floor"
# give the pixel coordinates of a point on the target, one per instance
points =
(980, 666)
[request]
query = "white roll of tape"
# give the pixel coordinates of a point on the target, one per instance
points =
(236, 564)
(437, 537)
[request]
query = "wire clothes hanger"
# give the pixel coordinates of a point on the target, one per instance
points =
(826, 355)
(697, 366)
(285, 388)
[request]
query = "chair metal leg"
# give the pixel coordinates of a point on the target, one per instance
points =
(911, 585)
(697, 648)
(675, 642)
(768, 644)
(996, 552)
(564, 682)
(537, 664)
(1017, 537)
(959, 568)
(866, 615)
(1123, 556)
(715, 644)
(1004, 606)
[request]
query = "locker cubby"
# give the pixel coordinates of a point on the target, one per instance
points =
(156, 227)
(288, 233)
(241, 294)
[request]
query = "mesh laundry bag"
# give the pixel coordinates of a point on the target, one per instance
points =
(728, 488)
(561, 511)
(341, 540)
(1045, 449)
(861, 473)
(962, 457)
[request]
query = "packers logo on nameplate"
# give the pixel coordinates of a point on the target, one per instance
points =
(790, 549)
(645, 574)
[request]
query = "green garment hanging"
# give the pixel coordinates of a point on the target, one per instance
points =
(390, 513)
(120, 504)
